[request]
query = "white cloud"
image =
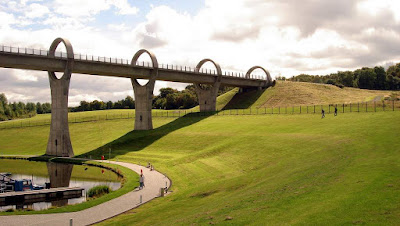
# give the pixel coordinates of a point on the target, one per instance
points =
(80, 8)
(124, 7)
(6, 20)
(118, 27)
(286, 37)
(36, 10)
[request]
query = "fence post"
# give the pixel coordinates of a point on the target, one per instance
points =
(358, 107)
(343, 108)
(314, 108)
(366, 106)
(257, 111)
(265, 110)
(300, 109)
(374, 105)
(292, 109)
(279, 110)
(329, 107)
(307, 109)
(272, 109)
(393, 104)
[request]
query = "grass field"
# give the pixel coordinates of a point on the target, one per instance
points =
(286, 93)
(258, 169)
(294, 169)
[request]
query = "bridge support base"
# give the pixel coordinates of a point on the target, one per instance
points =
(143, 106)
(207, 98)
(59, 143)
(207, 94)
(144, 94)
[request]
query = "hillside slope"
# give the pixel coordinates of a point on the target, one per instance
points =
(286, 93)
(270, 169)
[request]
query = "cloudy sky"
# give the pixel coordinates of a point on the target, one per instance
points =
(286, 37)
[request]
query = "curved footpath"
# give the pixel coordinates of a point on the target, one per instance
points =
(154, 180)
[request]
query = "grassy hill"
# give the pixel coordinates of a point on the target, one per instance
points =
(281, 169)
(258, 169)
(286, 93)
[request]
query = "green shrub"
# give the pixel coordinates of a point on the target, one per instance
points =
(98, 191)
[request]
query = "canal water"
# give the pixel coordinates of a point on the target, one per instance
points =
(58, 175)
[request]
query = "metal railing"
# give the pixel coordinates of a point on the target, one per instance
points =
(121, 61)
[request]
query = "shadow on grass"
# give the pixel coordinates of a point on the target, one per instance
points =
(137, 140)
(244, 100)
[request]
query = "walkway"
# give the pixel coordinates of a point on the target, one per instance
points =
(153, 181)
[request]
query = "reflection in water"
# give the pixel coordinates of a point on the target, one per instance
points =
(59, 175)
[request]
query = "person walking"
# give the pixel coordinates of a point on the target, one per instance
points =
(335, 110)
(141, 181)
(323, 113)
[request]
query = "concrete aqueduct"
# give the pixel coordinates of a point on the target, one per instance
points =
(59, 143)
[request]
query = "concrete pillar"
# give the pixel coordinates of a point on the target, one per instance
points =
(207, 94)
(59, 143)
(144, 94)
(207, 98)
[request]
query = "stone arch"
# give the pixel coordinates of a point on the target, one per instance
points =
(269, 79)
(154, 61)
(219, 72)
(70, 58)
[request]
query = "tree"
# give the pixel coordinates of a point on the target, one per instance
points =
(129, 102)
(46, 107)
(380, 81)
(39, 108)
(366, 78)
(346, 78)
(3, 99)
(165, 91)
(109, 105)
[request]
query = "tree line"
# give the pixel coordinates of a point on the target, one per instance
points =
(168, 98)
(21, 110)
(365, 78)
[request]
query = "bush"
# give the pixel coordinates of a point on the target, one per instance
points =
(98, 191)
(340, 85)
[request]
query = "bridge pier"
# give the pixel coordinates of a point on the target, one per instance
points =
(144, 94)
(59, 143)
(207, 94)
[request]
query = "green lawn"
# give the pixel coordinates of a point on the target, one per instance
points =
(252, 169)
(84, 136)
(276, 169)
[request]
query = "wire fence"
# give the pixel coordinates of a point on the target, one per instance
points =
(121, 61)
(359, 107)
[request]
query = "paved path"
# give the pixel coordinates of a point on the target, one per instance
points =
(153, 182)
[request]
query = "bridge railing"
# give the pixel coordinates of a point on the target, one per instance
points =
(121, 61)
